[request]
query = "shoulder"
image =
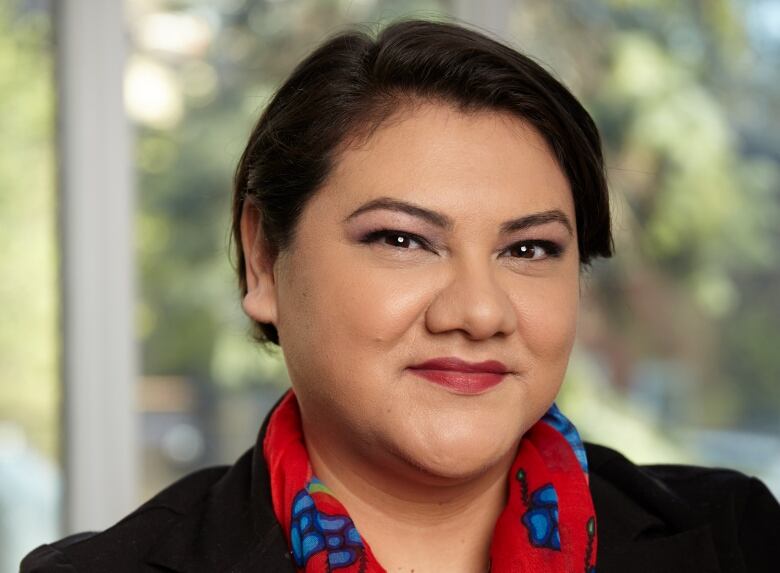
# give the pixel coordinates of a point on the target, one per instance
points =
(123, 546)
(710, 491)
(740, 509)
(738, 512)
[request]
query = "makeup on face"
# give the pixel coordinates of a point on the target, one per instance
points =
(461, 376)
(447, 236)
(402, 225)
(467, 383)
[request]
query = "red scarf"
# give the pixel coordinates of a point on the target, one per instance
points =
(548, 524)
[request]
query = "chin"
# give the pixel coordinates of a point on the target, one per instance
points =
(454, 458)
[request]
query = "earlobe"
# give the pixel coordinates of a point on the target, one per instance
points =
(260, 300)
(260, 305)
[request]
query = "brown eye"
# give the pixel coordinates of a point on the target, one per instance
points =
(394, 239)
(535, 250)
(528, 251)
(398, 240)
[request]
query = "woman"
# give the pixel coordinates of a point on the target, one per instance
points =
(411, 216)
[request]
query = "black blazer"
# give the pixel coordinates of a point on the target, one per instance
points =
(659, 519)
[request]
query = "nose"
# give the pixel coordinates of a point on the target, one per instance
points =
(472, 301)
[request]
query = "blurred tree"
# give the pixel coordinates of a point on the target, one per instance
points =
(695, 179)
(29, 391)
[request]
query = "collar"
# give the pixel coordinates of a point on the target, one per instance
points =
(643, 526)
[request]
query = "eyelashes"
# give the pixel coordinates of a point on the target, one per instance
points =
(551, 249)
(524, 250)
(406, 238)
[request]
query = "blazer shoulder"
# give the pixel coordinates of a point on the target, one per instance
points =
(736, 505)
(125, 543)
(740, 511)
(708, 489)
(702, 486)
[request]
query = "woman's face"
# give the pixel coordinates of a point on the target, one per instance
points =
(356, 308)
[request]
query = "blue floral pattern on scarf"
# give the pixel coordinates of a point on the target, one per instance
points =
(541, 518)
(313, 531)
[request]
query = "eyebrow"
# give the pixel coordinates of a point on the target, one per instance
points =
(444, 222)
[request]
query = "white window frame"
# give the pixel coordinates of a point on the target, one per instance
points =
(99, 362)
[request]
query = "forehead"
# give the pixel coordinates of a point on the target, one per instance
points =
(478, 162)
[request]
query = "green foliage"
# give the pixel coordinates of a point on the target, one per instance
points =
(682, 93)
(29, 388)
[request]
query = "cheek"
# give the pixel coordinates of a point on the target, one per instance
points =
(382, 306)
(333, 303)
(548, 318)
(367, 302)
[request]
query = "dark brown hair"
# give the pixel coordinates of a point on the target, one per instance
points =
(352, 83)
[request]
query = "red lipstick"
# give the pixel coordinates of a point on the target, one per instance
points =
(460, 376)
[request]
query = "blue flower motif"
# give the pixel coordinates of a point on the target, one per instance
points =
(541, 519)
(312, 531)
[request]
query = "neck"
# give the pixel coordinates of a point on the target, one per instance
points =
(411, 520)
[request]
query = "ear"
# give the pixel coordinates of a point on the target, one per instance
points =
(260, 301)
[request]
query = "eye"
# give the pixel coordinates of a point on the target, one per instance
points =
(535, 250)
(392, 238)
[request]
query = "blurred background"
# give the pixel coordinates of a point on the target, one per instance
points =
(125, 360)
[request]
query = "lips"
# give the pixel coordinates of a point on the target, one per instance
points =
(458, 365)
(462, 377)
